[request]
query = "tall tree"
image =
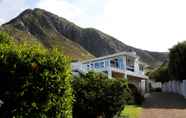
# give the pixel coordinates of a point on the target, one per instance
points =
(177, 61)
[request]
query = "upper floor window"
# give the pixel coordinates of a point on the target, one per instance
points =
(102, 64)
(114, 63)
(96, 65)
(92, 65)
(130, 62)
(99, 64)
(141, 68)
(88, 66)
(117, 63)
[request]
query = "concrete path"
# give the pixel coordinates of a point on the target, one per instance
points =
(164, 105)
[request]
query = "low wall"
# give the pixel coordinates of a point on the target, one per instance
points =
(175, 87)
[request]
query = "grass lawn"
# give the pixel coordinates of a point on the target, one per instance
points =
(131, 111)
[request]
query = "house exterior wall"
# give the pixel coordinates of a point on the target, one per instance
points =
(140, 83)
(116, 66)
(127, 65)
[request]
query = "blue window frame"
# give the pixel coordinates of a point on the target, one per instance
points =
(99, 64)
(107, 63)
(141, 68)
(102, 64)
(96, 65)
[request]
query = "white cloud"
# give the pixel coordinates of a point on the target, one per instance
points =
(2, 21)
(81, 12)
(146, 24)
(10, 9)
(63, 9)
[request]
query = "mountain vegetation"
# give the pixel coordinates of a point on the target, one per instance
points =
(79, 43)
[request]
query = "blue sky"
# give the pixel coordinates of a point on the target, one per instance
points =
(154, 25)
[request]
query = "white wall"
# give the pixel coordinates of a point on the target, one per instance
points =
(155, 85)
(175, 87)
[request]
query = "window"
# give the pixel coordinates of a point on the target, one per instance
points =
(88, 66)
(107, 63)
(141, 68)
(96, 65)
(92, 65)
(99, 65)
(120, 63)
(114, 63)
(128, 60)
(102, 64)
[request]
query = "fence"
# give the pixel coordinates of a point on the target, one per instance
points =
(175, 87)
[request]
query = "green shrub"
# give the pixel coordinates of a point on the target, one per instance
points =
(177, 61)
(96, 95)
(160, 74)
(34, 83)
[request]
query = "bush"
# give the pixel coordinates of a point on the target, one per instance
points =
(34, 82)
(137, 97)
(177, 61)
(96, 95)
(160, 74)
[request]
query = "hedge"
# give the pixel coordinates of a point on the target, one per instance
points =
(34, 82)
(98, 96)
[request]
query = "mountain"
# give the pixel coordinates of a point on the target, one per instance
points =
(79, 43)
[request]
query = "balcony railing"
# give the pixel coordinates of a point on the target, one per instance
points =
(130, 68)
(117, 69)
(136, 74)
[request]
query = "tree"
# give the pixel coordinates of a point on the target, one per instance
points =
(160, 74)
(96, 95)
(177, 61)
(34, 82)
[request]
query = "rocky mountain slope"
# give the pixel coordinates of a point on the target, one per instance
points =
(77, 42)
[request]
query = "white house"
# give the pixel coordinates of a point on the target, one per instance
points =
(123, 65)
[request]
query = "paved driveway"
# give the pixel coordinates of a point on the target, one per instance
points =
(164, 105)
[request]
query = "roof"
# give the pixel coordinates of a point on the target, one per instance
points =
(132, 54)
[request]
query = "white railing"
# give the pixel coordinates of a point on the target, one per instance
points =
(136, 74)
(117, 69)
(130, 68)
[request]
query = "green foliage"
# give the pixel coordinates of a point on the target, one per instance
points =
(177, 61)
(96, 95)
(34, 82)
(160, 74)
(176, 68)
(5, 38)
(131, 111)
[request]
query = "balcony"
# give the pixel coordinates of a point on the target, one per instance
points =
(130, 68)
(115, 69)
(136, 74)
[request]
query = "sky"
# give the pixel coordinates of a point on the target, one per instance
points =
(154, 25)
